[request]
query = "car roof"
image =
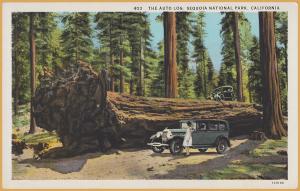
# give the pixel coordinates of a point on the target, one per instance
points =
(223, 87)
(185, 120)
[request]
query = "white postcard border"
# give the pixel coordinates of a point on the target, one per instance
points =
(8, 8)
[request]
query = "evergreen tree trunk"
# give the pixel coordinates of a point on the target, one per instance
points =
(77, 51)
(140, 87)
(236, 39)
(272, 114)
(121, 64)
(112, 81)
(204, 76)
(131, 87)
(17, 83)
(170, 55)
(121, 58)
(32, 71)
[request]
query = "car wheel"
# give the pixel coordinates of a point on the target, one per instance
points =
(158, 149)
(222, 97)
(176, 146)
(222, 146)
(202, 150)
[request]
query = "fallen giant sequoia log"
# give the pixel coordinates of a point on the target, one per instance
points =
(87, 117)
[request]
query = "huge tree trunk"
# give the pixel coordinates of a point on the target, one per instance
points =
(86, 117)
(32, 71)
(170, 55)
(272, 115)
(236, 38)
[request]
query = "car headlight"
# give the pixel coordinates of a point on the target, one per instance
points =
(158, 134)
(169, 135)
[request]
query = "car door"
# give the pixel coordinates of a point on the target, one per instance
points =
(212, 132)
(198, 136)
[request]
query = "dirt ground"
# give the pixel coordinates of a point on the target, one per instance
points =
(137, 164)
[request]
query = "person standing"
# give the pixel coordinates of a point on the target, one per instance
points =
(187, 141)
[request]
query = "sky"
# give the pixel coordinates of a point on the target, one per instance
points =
(212, 40)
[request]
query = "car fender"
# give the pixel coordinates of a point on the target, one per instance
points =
(156, 135)
(175, 137)
(222, 137)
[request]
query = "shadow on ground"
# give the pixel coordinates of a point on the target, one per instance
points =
(64, 165)
(194, 171)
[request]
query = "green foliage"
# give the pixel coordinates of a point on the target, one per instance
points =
(20, 57)
(281, 32)
(183, 30)
(203, 83)
(42, 137)
(246, 171)
(21, 119)
(139, 37)
(255, 75)
(45, 40)
(76, 38)
(269, 148)
(64, 38)
(227, 75)
(156, 87)
(129, 33)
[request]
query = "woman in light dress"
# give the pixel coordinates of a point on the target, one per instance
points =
(187, 141)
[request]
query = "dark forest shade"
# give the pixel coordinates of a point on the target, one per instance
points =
(236, 40)
(32, 70)
(272, 114)
(111, 56)
(121, 64)
(170, 55)
(140, 85)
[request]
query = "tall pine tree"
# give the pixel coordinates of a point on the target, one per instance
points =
(76, 39)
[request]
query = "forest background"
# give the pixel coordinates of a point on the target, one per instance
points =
(130, 46)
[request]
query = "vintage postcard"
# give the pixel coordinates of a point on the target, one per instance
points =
(150, 95)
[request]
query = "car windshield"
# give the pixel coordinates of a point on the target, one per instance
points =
(227, 89)
(186, 124)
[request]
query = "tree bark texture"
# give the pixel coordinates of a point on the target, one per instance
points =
(121, 64)
(170, 55)
(87, 118)
(273, 121)
(140, 86)
(239, 71)
(17, 83)
(32, 70)
(111, 54)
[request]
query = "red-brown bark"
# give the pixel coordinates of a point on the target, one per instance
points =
(32, 71)
(272, 114)
(236, 39)
(170, 55)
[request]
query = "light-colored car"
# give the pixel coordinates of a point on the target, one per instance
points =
(205, 134)
(223, 93)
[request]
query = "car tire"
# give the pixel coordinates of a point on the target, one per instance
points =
(222, 97)
(158, 149)
(222, 146)
(176, 146)
(202, 150)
